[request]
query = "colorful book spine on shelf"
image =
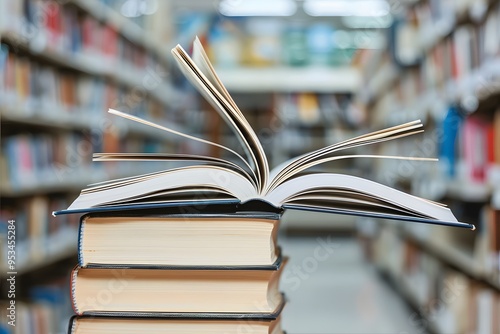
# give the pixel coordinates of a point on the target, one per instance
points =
(448, 146)
(30, 87)
(68, 30)
(50, 160)
(475, 148)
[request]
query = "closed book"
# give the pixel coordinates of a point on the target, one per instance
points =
(137, 239)
(122, 325)
(218, 292)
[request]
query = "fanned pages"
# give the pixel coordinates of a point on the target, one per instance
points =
(247, 179)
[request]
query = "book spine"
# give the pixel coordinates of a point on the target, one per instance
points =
(72, 324)
(80, 241)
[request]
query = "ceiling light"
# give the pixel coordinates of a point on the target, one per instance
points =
(370, 8)
(257, 7)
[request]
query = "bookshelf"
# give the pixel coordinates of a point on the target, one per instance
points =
(62, 64)
(128, 29)
(51, 249)
(94, 65)
(454, 89)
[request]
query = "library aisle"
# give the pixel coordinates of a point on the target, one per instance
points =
(333, 290)
(306, 74)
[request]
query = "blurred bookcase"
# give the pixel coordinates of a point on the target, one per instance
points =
(444, 71)
(62, 65)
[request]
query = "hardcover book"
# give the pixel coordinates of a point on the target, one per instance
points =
(179, 291)
(158, 240)
(122, 325)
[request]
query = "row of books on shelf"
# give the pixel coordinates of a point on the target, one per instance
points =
(43, 308)
(439, 17)
(477, 255)
(52, 159)
(468, 148)
(461, 62)
(36, 88)
(63, 27)
(479, 142)
(38, 236)
(447, 299)
(453, 64)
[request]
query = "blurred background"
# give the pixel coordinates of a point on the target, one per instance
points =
(306, 73)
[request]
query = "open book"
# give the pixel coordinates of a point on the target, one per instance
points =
(248, 178)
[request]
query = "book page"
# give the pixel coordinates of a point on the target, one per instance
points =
(292, 167)
(201, 59)
(154, 125)
(195, 178)
(326, 182)
(225, 108)
(200, 159)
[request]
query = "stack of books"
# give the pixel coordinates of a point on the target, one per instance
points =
(152, 272)
(193, 249)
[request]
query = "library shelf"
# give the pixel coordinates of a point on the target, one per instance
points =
(74, 182)
(444, 27)
(67, 181)
(36, 253)
(404, 288)
(435, 92)
(468, 191)
(479, 84)
(148, 81)
(453, 256)
(65, 120)
(386, 76)
(52, 120)
(128, 29)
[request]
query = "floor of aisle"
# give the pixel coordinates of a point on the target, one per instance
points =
(331, 289)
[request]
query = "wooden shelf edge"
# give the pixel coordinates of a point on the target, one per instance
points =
(453, 257)
(410, 297)
(452, 92)
(71, 183)
(81, 121)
